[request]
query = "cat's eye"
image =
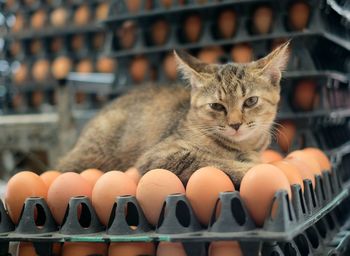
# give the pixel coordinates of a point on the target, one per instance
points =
(217, 107)
(250, 102)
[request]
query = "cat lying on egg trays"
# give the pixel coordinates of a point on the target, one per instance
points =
(223, 119)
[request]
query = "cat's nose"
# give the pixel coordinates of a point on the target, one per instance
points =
(235, 126)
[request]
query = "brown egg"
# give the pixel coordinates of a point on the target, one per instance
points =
(138, 69)
(308, 159)
(49, 176)
(131, 249)
(269, 156)
(30, 2)
(27, 249)
(92, 175)
(15, 48)
(108, 187)
(215, 181)
(170, 249)
(106, 65)
(9, 4)
(193, 28)
(61, 66)
(84, 66)
(19, 23)
(133, 5)
(37, 99)
(59, 17)
(41, 70)
(56, 44)
(17, 101)
(160, 30)
(292, 172)
(170, 67)
(227, 23)
(278, 42)
(20, 74)
(84, 249)
(225, 248)
(82, 15)
(21, 186)
(210, 54)
(304, 170)
(258, 188)
(262, 20)
(298, 15)
(102, 11)
(38, 19)
(153, 189)
(77, 42)
(80, 97)
(127, 34)
(304, 95)
(242, 53)
(64, 187)
(36, 46)
(134, 174)
(285, 135)
(321, 157)
(98, 40)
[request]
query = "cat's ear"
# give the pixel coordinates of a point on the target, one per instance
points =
(193, 69)
(272, 66)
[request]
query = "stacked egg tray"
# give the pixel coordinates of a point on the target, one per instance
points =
(306, 223)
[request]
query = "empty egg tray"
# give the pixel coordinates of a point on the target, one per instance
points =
(309, 214)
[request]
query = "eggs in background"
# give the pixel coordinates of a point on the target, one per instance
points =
(193, 28)
(285, 135)
(227, 23)
(61, 66)
(242, 53)
(269, 156)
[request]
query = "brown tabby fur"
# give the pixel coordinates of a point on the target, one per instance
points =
(175, 128)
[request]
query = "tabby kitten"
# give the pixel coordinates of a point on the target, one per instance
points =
(223, 120)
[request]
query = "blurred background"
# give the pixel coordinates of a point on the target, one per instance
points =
(62, 60)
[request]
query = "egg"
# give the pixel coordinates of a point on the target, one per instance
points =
(278, 42)
(56, 44)
(269, 156)
(304, 170)
(49, 176)
(19, 23)
(38, 19)
(21, 186)
(170, 249)
(20, 74)
(35, 46)
(107, 188)
(84, 66)
(91, 175)
(58, 17)
(193, 28)
(84, 249)
(131, 249)
(64, 187)
(227, 23)
(9, 4)
(82, 15)
(127, 34)
(258, 187)
(17, 102)
(134, 174)
(30, 2)
(61, 66)
(285, 135)
(298, 15)
(138, 68)
(225, 248)
(210, 54)
(27, 249)
(215, 181)
(15, 48)
(80, 97)
(262, 20)
(152, 190)
(242, 53)
(77, 42)
(304, 95)
(133, 5)
(102, 11)
(106, 65)
(159, 32)
(321, 157)
(292, 172)
(41, 70)
(37, 99)
(98, 40)
(170, 67)
(310, 160)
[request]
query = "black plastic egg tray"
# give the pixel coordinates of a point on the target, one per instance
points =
(312, 209)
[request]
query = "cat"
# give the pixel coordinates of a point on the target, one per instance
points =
(223, 119)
